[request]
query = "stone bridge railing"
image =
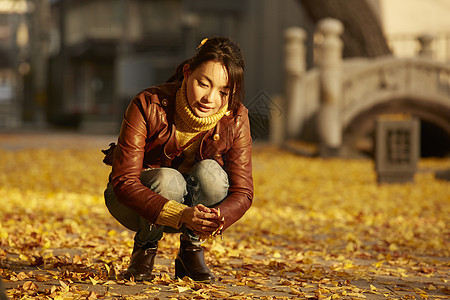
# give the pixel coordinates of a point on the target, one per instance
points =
(323, 101)
(386, 79)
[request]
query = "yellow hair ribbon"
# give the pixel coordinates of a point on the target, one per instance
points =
(202, 43)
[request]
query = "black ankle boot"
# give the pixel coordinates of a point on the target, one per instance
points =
(142, 261)
(190, 262)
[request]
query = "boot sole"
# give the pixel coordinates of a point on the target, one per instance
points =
(139, 277)
(181, 272)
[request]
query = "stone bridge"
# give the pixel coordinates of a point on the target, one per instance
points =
(339, 100)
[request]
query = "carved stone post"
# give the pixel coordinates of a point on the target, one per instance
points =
(426, 42)
(294, 65)
(329, 48)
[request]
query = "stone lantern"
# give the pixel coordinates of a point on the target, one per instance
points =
(397, 142)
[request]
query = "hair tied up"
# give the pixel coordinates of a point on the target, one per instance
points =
(202, 43)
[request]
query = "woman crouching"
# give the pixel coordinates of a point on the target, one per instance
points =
(183, 160)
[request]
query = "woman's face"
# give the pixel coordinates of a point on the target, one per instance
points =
(206, 88)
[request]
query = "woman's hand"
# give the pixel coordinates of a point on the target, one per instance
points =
(201, 219)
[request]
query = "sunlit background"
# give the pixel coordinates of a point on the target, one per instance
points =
(318, 228)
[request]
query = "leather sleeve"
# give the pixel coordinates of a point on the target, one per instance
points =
(128, 160)
(238, 165)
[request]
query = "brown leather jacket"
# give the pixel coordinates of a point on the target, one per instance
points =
(147, 140)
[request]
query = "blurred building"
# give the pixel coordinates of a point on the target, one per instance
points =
(77, 63)
(13, 60)
(103, 52)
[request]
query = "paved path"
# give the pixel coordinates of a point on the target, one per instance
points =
(53, 140)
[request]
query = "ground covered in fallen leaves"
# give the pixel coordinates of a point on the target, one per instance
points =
(318, 229)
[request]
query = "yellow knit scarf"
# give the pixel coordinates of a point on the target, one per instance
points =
(186, 121)
(189, 125)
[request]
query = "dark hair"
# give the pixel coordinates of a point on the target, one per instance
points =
(226, 52)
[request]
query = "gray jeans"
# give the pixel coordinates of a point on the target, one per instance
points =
(206, 183)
